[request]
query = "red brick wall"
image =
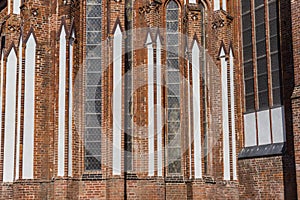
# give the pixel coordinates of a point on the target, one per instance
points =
(261, 178)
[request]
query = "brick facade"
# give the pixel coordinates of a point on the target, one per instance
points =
(258, 177)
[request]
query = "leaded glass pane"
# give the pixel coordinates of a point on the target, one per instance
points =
(174, 166)
(173, 93)
(93, 11)
(93, 65)
(93, 24)
(93, 86)
(93, 51)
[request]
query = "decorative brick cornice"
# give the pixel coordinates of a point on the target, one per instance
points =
(152, 6)
(296, 92)
(221, 19)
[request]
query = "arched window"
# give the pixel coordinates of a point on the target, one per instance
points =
(173, 89)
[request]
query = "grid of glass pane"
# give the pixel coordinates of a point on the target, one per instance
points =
(173, 92)
(93, 86)
(274, 51)
(247, 55)
(261, 57)
(128, 88)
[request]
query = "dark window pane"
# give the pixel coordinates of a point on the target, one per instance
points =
(247, 52)
(250, 103)
(273, 10)
(277, 97)
(246, 5)
(260, 15)
(273, 27)
(262, 65)
(274, 44)
(246, 21)
(263, 100)
(92, 163)
(275, 62)
(261, 48)
(259, 3)
(247, 37)
(174, 166)
(276, 79)
(248, 70)
(262, 82)
(260, 32)
(249, 84)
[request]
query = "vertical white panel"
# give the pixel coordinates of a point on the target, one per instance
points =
(8, 6)
(263, 124)
(70, 160)
(189, 117)
(16, 6)
(250, 130)
(19, 111)
(62, 102)
(29, 99)
(225, 117)
(117, 101)
(10, 118)
(159, 107)
(216, 5)
(150, 107)
(278, 125)
(1, 92)
(232, 115)
(196, 110)
(224, 5)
